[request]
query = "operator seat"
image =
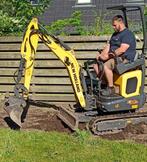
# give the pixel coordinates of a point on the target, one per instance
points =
(128, 76)
(121, 67)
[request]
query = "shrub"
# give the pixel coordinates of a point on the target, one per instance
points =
(14, 14)
(72, 25)
(8, 24)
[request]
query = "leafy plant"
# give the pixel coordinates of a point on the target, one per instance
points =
(145, 10)
(14, 14)
(72, 25)
(8, 24)
(100, 25)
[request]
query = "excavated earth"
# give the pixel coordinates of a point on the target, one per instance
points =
(45, 119)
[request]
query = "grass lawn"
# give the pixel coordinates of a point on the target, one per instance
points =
(37, 146)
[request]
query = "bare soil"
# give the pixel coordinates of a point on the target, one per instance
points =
(137, 133)
(45, 119)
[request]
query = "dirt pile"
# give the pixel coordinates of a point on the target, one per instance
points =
(45, 120)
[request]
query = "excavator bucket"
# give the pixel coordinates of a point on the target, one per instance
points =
(15, 114)
(14, 107)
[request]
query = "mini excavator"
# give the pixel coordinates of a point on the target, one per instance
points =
(99, 113)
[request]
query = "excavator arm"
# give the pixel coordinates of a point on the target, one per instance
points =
(28, 50)
(14, 104)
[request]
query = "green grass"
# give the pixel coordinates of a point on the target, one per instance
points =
(37, 146)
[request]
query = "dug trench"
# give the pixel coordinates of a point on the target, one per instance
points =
(45, 119)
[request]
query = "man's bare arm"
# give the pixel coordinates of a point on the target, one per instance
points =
(122, 49)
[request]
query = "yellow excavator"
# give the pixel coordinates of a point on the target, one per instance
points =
(97, 112)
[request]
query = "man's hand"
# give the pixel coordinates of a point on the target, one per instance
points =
(103, 56)
(112, 54)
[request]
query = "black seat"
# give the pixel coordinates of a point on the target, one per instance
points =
(121, 67)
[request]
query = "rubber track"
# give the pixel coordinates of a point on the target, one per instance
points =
(96, 120)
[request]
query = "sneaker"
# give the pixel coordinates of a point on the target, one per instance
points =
(108, 91)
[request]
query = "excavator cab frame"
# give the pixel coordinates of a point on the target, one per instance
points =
(92, 108)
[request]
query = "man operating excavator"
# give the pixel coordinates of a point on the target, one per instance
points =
(123, 45)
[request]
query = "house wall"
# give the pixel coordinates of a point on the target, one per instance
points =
(60, 9)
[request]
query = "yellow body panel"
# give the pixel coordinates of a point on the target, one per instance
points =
(121, 81)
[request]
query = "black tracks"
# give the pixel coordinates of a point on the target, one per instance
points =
(114, 123)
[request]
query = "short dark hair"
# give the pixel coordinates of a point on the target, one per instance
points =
(118, 18)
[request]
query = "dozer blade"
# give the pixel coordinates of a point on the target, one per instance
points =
(14, 107)
(68, 118)
(72, 119)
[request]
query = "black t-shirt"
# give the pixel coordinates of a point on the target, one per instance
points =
(127, 37)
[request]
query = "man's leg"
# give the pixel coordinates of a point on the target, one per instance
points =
(108, 69)
(109, 75)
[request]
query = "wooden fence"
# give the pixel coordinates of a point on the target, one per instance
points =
(50, 81)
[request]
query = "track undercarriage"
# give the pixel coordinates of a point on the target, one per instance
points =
(101, 124)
